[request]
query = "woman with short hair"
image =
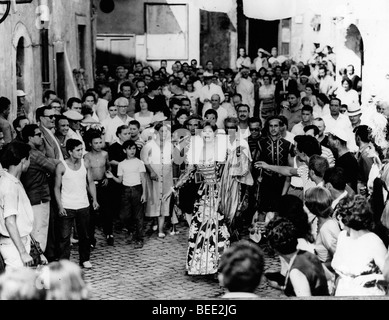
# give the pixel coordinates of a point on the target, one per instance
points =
(360, 254)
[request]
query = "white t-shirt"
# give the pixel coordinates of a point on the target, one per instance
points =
(130, 170)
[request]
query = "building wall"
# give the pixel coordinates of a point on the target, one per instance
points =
(128, 18)
(25, 21)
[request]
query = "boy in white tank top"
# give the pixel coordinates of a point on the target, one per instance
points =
(71, 182)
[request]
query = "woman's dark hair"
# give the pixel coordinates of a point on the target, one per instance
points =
(120, 129)
(350, 84)
(242, 266)
(89, 94)
(282, 235)
(356, 212)
(14, 153)
(143, 96)
(312, 87)
(323, 97)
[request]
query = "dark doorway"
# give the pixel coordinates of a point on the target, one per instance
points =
(215, 30)
(262, 34)
(20, 64)
(60, 64)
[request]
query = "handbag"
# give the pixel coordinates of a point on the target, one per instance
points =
(35, 252)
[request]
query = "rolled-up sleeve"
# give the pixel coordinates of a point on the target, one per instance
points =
(10, 199)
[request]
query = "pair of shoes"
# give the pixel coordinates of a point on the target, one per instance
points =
(110, 240)
(87, 265)
(161, 235)
(154, 228)
(73, 241)
(138, 244)
(173, 232)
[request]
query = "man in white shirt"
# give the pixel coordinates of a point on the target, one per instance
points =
(208, 90)
(105, 95)
(221, 112)
(245, 87)
(326, 82)
(74, 119)
(306, 120)
(17, 217)
(120, 119)
(339, 120)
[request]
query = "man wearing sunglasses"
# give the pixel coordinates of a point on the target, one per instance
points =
(46, 118)
(36, 183)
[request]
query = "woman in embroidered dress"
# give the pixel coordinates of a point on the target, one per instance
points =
(208, 234)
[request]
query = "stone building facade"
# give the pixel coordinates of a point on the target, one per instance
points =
(44, 44)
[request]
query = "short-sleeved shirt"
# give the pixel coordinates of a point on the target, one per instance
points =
(14, 201)
(130, 170)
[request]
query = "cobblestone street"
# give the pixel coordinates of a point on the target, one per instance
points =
(157, 271)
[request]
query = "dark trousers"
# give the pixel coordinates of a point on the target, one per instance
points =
(132, 210)
(65, 229)
(114, 191)
(100, 216)
(271, 189)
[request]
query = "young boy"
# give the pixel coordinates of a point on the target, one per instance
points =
(98, 162)
(131, 173)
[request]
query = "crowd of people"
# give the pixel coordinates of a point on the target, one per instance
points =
(276, 149)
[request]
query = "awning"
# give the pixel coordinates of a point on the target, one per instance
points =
(216, 5)
(282, 9)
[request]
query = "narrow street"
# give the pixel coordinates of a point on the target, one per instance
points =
(157, 271)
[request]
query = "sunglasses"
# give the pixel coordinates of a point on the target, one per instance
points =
(50, 117)
(232, 128)
(38, 134)
(255, 129)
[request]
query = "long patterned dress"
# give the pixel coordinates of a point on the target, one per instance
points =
(208, 234)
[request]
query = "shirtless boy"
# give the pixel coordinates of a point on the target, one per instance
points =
(97, 161)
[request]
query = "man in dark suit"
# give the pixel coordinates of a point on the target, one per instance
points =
(284, 86)
(52, 149)
(46, 118)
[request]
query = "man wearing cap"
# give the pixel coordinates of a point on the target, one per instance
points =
(245, 87)
(75, 118)
(120, 119)
(23, 105)
(354, 114)
(261, 60)
(337, 141)
(338, 120)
